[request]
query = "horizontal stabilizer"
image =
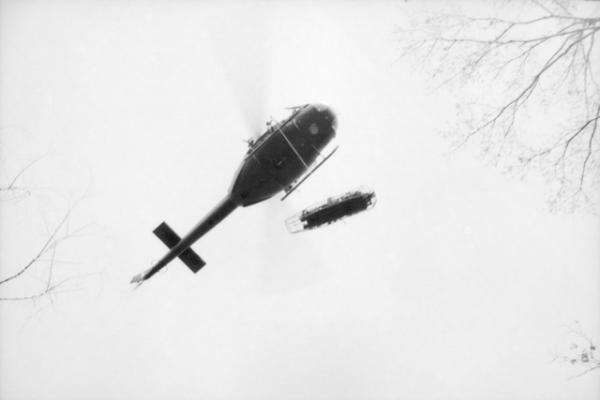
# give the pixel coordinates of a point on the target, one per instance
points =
(170, 239)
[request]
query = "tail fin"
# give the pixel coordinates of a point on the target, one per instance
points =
(180, 247)
(189, 257)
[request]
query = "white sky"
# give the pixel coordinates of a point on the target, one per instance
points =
(454, 286)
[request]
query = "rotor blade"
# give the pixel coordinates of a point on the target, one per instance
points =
(241, 44)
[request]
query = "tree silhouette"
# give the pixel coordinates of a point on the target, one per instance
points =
(527, 75)
(43, 260)
(582, 351)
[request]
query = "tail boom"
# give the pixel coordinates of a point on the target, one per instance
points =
(181, 247)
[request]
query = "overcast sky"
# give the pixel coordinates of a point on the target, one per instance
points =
(455, 286)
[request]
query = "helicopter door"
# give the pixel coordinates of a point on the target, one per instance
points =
(280, 160)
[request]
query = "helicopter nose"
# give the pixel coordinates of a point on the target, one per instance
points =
(327, 114)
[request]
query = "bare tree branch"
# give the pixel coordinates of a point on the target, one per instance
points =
(582, 351)
(49, 244)
(11, 185)
(45, 256)
(537, 64)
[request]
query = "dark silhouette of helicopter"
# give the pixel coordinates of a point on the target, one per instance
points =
(279, 160)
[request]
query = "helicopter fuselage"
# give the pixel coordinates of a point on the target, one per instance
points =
(283, 153)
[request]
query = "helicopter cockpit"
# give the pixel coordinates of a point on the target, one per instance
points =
(272, 125)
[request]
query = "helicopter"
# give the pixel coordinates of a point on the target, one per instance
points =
(280, 159)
